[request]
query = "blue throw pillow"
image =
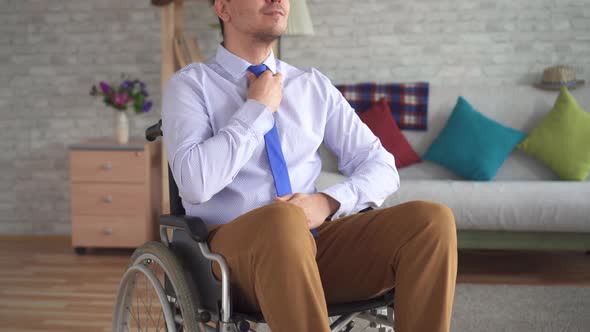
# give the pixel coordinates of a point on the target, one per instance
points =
(473, 145)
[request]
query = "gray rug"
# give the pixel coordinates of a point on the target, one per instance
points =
(496, 308)
(507, 308)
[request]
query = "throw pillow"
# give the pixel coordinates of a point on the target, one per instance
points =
(379, 119)
(471, 144)
(562, 139)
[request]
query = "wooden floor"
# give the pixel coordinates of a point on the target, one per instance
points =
(44, 286)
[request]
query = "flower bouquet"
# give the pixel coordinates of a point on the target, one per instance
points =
(129, 93)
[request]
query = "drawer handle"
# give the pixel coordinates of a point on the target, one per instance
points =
(107, 166)
(108, 199)
(107, 231)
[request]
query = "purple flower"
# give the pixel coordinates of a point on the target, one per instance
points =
(105, 87)
(126, 85)
(147, 105)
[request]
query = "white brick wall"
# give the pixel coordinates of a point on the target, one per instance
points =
(51, 52)
(444, 42)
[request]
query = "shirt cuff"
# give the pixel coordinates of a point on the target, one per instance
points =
(256, 117)
(343, 194)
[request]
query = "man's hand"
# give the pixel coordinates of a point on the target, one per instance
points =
(266, 89)
(317, 207)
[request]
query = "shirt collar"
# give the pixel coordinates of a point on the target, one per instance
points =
(237, 66)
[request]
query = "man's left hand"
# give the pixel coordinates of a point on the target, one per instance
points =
(317, 207)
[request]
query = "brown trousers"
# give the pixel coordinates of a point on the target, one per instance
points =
(279, 268)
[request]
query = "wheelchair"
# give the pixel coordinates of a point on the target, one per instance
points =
(170, 285)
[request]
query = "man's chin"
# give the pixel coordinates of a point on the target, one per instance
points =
(268, 36)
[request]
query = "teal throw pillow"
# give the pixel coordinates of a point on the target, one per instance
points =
(472, 145)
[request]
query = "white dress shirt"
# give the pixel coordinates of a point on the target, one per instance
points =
(214, 140)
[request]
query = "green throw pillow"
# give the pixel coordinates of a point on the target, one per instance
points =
(562, 139)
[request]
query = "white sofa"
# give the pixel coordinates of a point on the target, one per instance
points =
(525, 206)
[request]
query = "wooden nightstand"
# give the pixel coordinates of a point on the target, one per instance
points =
(116, 193)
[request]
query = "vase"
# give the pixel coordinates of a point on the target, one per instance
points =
(122, 128)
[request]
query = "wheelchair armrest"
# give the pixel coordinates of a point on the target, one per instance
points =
(194, 226)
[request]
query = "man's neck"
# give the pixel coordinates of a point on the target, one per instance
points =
(253, 51)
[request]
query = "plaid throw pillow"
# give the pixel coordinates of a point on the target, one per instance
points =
(408, 101)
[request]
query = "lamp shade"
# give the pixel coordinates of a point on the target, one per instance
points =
(299, 22)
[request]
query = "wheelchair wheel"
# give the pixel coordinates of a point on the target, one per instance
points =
(154, 294)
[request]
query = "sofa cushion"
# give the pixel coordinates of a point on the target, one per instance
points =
(471, 144)
(552, 206)
(378, 118)
(562, 139)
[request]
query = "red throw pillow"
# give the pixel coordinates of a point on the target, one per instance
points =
(379, 119)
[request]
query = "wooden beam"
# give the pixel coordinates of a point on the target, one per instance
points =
(167, 70)
(178, 17)
(179, 45)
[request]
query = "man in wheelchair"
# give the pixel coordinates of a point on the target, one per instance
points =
(242, 133)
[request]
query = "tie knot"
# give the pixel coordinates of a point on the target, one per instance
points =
(257, 69)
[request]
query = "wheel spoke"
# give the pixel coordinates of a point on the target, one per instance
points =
(149, 313)
(158, 324)
(136, 319)
(147, 309)
(158, 271)
(140, 301)
(149, 298)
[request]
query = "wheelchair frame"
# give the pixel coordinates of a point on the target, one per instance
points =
(213, 298)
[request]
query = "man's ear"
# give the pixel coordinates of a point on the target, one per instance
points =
(221, 10)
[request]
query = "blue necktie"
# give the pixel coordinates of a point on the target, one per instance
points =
(278, 166)
(276, 160)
